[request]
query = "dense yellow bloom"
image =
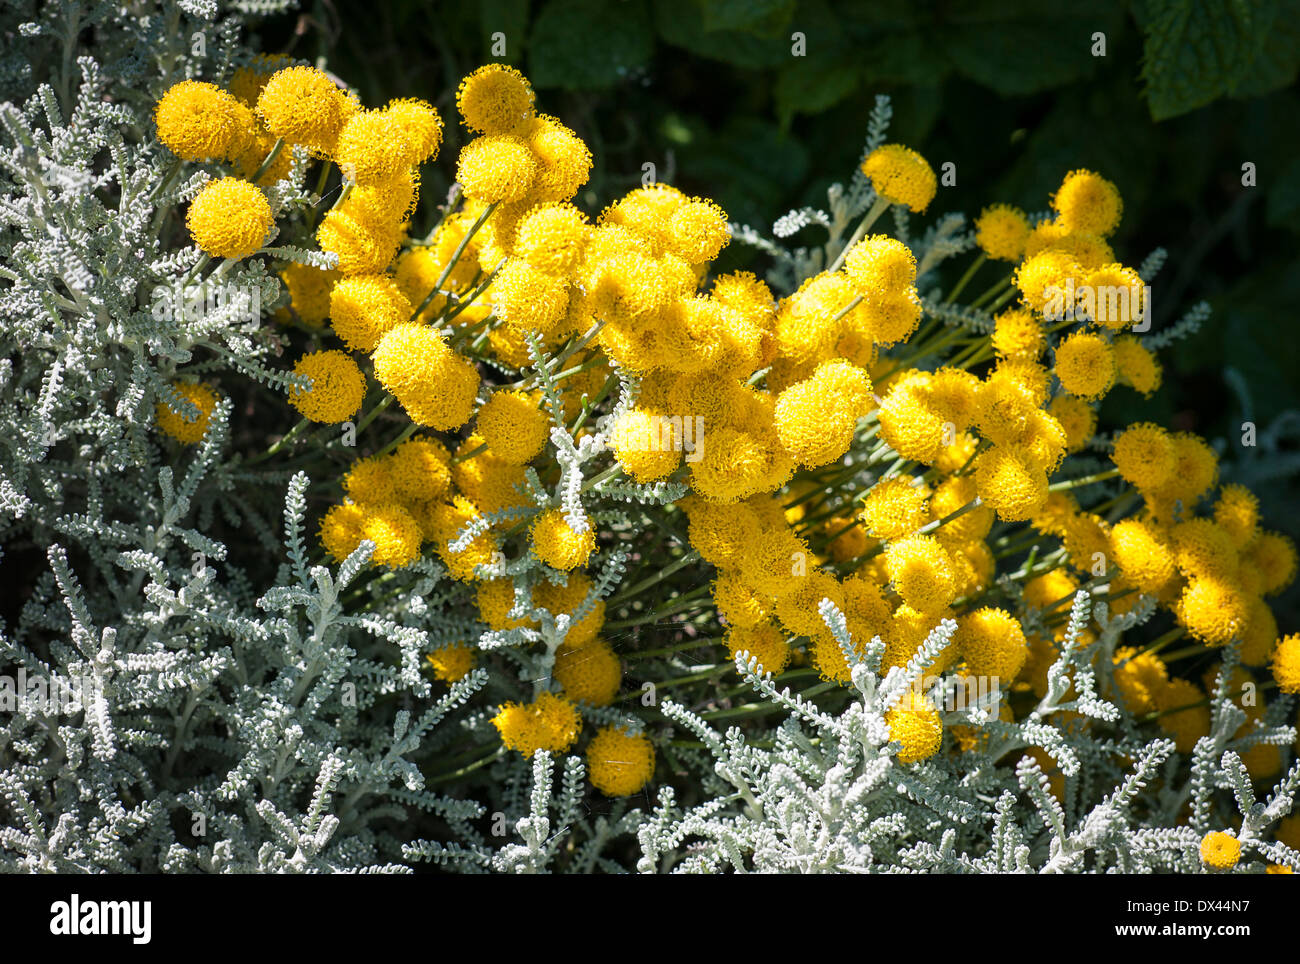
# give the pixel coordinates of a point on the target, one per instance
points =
(796, 606)
(698, 231)
(1116, 294)
(921, 572)
(648, 447)
(952, 495)
(340, 530)
(421, 124)
(513, 426)
(363, 242)
(1014, 486)
(895, 507)
(453, 662)
(177, 424)
(565, 599)
(302, 105)
(486, 479)
(1077, 418)
(910, 422)
(1141, 678)
(763, 641)
(1001, 231)
(1274, 555)
(395, 533)
(902, 176)
(914, 722)
(444, 523)
(737, 464)
(1136, 366)
(420, 470)
(1087, 202)
(1145, 455)
(550, 723)
(1018, 334)
(495, 598)
(336, 390)
(495, 99)
(551, 238)
(198, 121)
(992, 643)
(229, 218)
(370, 481)
(364, 307)
(1213, 609)
(880, 265)
(620, 763)
(1085, 364)
(309, 292)
(737, 602)
(558, 544)
(1286, 664)
(1220, 850)
(1195, 470)
(434, 384)
(563, 160)
(1237, 512)
(590, 672)
(815, 418)
(387, 201)
(1204, 548)
(1042, 278)
(496, 167)
(373, 146)
(529, 299)
(1143, 552)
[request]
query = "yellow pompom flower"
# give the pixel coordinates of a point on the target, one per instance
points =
(373, 147)
(797, 606)
(1136, 366)
(737, 464)
(992, 643)
(816, 418)
(763, 641)
(1088, 203)
(880, 265)
(370, 481)
(620, 763)
(914, 722)
(1085, 364)
(1041, 280)
(698, 231)
(309, 292)
(387, 201)
(363, 242)
(1274, 556)
(566, 599)
(549, 723)
(340, 530)
(590, 672)
(187, 430)
(1001, 231)
(1213, 609)
(1116, 294)
(364, 307)
(895, 507)
(1286, 664)
(910, 422)
(1144, 554)
(647, 446)
(1220, 850)
(198, 121)
(1204, 548)
(495, 99)
(1014, 486)
(395, 533)
(420, 123)
(1018, 334)
(495, 598)
(551, 238)
(529, 299)
(513, 426)
(557, 544)
(563, 160)
(1237, 512)
(486, 479)
(496, 167)
(229, 218)
(336, 390)
(921, 572)
(302, 105)
(420, 470)
(452, 662)
(902, 176)
(952, 495)
(444, 523)
(737, 602)
(1141, 677)
(435, 385)
(1195, 470)
(1077, 418)
(1145, 455)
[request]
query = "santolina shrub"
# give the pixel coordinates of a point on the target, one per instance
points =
(562, 492)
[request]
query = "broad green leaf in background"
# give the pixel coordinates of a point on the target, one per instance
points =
(587, 44)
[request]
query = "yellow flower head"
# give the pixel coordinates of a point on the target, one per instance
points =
(229, 218)
(952, 495)
(880, 265)
(620, 763)
(1286, 664)
(1213, 609)
(1274, 556)
(549, 723)
(309, 292)
(1085, 364)
(993, 644)
(420, 470)
(551, 238)
(336, 390)
(921, 572)
(1195, 471)
(895, 507)
(1136, 366)
(1220, 850)
(1011, 483)
(1117, 294)
(495, 99)
(1018, 334)
(528, 299)
(891, 319)
(444, 523)
(1001, 231)
(496, 167)
(1237, 512)
(1087, 202)
(698, 231)
(1077, 418)
(648, 447)
(374, 146)
(796, 606)
(737, 602)
(914, 722)
(1144, 553)
(198, 121)
(370, 481)
(590, 673)
(910, 421)
(495, 598)
(563, 160)
(453, 662)
(763, 641)
(816, 418)
(421, 124)
(435, 385)
(363, 242)
(486, 479)
(1145, 455)
(395, 533)
(303, 106)
(1042, 279)
(513, 426)
(364, 307)
(340, 530)
(719, 533)
(187, 429)
(565, 599)
(902, 176)
(1204, 548)
(557, 544)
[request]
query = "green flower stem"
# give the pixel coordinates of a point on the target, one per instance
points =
(285, 440)
(877, 209)
(455, 257)
(588, 406)
(678, 604)
(271, 158)
(374, 413)
(1086, 480)
(672, 650)
(457, 459)
(992, 291)
(469, 768)
(965, 278)
(654, 580)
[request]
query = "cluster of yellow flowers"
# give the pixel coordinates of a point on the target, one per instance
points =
(784, 388)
